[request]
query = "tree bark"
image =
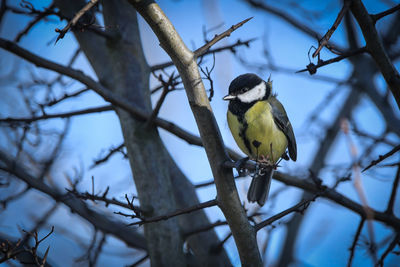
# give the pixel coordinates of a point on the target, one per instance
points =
(185, 61)
(121, 66)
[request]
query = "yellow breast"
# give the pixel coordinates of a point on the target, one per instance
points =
(258, 125)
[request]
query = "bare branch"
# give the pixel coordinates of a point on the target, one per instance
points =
(230, 47)
(167, 87)
(59, 115)
(324, 41)
(199, 206)
(48, 11)
(375, 48)
(101, 90)
(376, 17)
(65, 96)
(205, 228)
(111, 152)
(185, 62)
(391, 246)
(139, 261)
(200, 51)
(382, 157)
(75, 19)
(98, 220)
(300, 207)
(353, 246)
(328, 193)
(312, 68)
(395, 185)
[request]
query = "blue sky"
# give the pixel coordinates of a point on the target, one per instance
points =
(328, 229)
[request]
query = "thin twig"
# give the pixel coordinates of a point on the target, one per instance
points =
(167, 87)
(324, 41)
(200, 51)
(65, 96)
(326, 192)
(111, 152)
(139, 261)
(75, 19)
(59, 115)
(230, 47)
(48, 11)
(382, 157)
(205, 228)
(395, 185)
(312, 68)
(376, 17)
(300, 207)
(391, 246)
(199, 206)
(354, 244)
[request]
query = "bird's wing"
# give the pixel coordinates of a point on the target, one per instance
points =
(283, 123)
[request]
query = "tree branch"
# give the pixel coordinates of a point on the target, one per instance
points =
(383, 157)
(199, 206)
(376, 17)
(312, 68)
(77, 206)
(227, 195)
(354, 244)
(202, 50)
(299, 207)
(375, 48)
(75, 19)
(209, 51)
(327, 193)
(395, 185)
(58, 115)
(324, 41)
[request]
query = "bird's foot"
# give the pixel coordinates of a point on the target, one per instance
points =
(265, 160)
(239, 166)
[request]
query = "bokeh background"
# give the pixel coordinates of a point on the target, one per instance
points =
(279, 50)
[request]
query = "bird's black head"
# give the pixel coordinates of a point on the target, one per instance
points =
(248, 88)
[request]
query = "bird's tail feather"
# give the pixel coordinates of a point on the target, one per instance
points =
(259, 187)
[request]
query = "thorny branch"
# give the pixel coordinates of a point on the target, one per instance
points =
(13, 250)
(300, 207)
(312, 68)
(231, 47)
(199, 206)
(382, 157)
(324, 41)
(354, 244)
(218, 37)
(34, 249)
(325, 192)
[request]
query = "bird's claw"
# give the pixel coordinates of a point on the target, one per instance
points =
(239, 166)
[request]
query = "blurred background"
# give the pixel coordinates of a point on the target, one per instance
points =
(277, 43)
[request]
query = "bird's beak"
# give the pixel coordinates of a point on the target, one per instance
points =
(229, 97)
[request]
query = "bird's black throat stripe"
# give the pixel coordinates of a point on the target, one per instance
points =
(239, 109)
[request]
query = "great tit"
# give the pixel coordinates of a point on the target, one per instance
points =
(260, 127)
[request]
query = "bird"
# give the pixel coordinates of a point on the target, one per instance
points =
(261, 128)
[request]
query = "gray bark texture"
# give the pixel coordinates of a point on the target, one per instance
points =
(121, 67)
(227, 195)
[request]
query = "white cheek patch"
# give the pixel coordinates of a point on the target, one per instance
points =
(256, 93)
